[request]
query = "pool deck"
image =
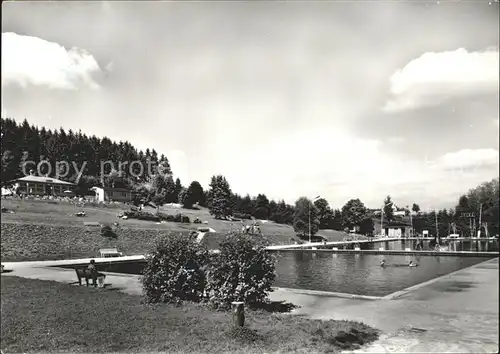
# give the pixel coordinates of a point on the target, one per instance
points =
(331, 243)
(454, 313)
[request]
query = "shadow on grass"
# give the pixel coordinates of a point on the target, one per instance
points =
(7, 271)
(110, 287)
(353, 338)
(246, 335)
(107, 286)
(274, 306)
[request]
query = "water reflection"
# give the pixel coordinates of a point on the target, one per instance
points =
(426, 245)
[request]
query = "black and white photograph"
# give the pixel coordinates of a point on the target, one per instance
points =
(250, 177)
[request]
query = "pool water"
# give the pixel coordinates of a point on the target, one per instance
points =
(350, 273)
(361, 274)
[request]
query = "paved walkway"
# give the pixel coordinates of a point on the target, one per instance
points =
(454, 313)
(331, 243)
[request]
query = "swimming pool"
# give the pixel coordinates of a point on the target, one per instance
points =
(358, 274)
(361, 274)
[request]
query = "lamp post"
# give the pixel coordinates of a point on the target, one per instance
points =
(480, 217)
(412, 231)
(310, 205)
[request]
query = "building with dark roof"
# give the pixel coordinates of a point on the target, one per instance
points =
(38, 185)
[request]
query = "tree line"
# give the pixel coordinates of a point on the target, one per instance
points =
(24, 142)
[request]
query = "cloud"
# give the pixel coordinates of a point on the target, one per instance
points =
(110, 67)
(433, 77)
(106, 6)
(339, 166)
(34, 61)
(468, 158)
(396, 140)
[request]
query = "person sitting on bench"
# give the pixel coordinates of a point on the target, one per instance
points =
(89, 273)
(94, 274)
(91, 267)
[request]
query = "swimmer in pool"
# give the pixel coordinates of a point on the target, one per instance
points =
(411, 264)
(382, 263)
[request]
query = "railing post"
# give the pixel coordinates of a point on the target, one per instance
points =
(238, 313)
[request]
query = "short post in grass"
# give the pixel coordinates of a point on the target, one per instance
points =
(100, 281)
(238, 313)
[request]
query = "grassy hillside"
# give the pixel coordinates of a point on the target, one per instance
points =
(37, 242)
(41, 230)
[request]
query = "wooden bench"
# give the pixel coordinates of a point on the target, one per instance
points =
(109, 252)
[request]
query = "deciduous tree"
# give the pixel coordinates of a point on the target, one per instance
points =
(305, 216)
(353, 213)
(325, 213)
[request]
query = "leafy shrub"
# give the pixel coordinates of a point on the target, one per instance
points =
(107, 231)
(242, 271)
(142, 215)
(178, 217)
(170, 218)
(242, 216)
(185, 219)
(163, 216)
(197, 221)
(175, 270)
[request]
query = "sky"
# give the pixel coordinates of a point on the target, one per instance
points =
(341, 99)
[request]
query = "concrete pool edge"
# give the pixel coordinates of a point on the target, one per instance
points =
(59, 265)
(397, 294)
(327, 293)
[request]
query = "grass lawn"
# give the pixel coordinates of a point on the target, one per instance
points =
(46, 316)
(62, 213)
(43, 212)
(43, 230)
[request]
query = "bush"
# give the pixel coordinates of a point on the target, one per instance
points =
(178, 217)
(142, 215)
(170, 218)
(175, 270)
(107, 231)
(242, 216)
(197, 221)
(242, 271)
(185, 219)
(164, 217)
